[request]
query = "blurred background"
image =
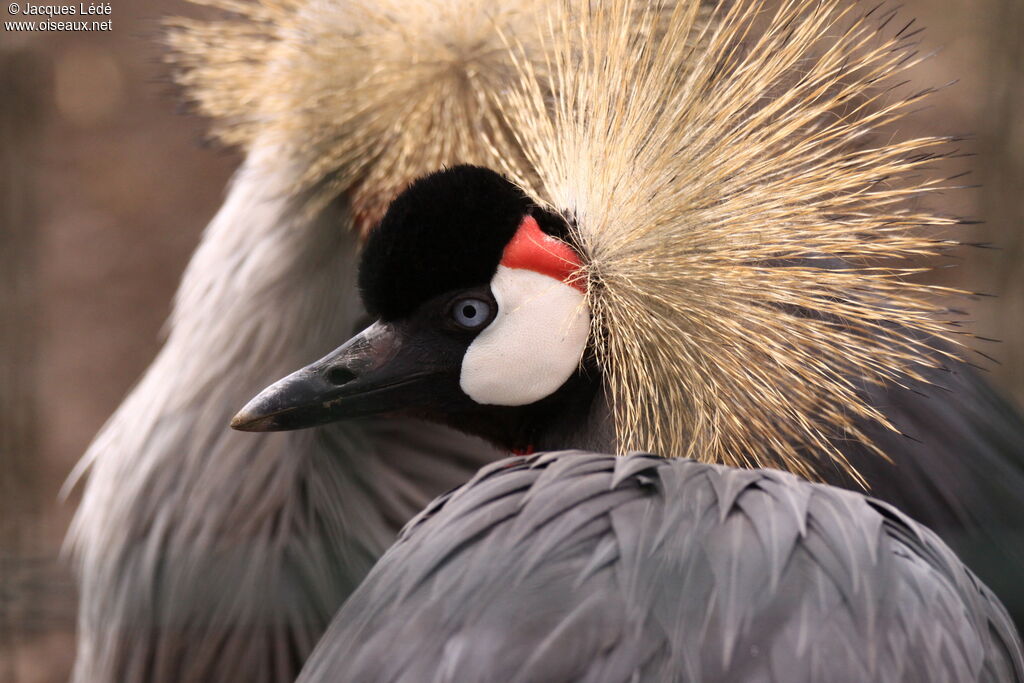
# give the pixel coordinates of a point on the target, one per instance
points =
(105, 187)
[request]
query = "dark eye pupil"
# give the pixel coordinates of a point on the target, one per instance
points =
(471, 313)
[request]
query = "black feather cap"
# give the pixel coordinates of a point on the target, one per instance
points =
(445, 232)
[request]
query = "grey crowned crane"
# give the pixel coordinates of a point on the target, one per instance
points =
(584, 566)
(209, 555)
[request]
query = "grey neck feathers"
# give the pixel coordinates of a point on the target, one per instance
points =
(211, 555)
(593, 431)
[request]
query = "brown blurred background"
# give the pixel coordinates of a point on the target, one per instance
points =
(104, 191)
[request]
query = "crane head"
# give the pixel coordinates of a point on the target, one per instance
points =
(483, 321)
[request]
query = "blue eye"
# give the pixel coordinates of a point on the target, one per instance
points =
(471, 313)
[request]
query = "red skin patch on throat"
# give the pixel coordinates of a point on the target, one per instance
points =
(532, 249)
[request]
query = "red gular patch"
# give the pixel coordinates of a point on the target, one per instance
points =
(532, 249)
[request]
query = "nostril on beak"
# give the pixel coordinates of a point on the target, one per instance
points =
(339, 375)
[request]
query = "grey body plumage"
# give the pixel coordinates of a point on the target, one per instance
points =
(587, 567)
(957, 467)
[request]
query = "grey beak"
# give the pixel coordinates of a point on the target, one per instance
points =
(368, 375)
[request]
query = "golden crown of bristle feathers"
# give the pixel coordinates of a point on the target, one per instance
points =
(366, 95)
(747, 247)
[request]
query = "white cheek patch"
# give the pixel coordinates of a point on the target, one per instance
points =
(534, 344)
